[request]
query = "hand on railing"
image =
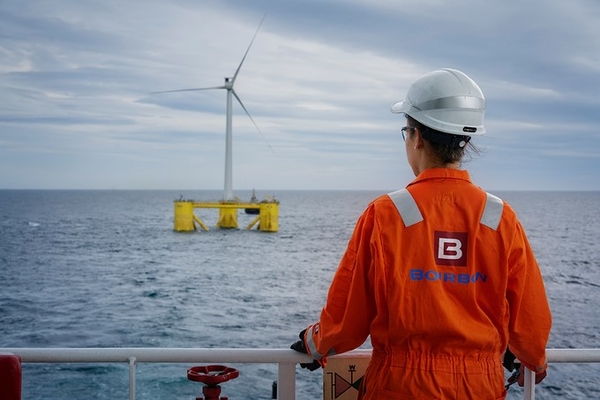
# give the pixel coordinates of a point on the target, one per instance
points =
(521, 376)
(300, 347)
(518, 376)
(518, 371)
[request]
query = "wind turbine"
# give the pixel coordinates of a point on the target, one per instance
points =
(229, 82)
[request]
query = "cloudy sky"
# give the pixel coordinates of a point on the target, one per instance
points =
(76, 76)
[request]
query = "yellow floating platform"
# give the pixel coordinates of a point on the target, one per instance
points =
(267, 219)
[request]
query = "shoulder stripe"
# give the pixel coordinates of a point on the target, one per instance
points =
(406, 206)
(492, 213)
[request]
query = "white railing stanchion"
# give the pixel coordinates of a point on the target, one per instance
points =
(529, 384)
(286, 385)
(132, 361)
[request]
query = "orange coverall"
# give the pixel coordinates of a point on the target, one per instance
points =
(443, 279)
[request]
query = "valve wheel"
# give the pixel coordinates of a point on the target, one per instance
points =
(212, 374)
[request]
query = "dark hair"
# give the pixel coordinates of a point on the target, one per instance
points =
(444, 145)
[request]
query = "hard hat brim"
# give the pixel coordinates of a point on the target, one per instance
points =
(400, 107)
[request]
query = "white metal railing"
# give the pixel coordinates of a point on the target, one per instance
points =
(284, 358)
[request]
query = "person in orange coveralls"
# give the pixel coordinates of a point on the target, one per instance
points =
(439, 274)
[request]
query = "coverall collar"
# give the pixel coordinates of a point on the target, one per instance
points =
(441, 173)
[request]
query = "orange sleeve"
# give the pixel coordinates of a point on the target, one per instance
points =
(345, 320)
(530, 319)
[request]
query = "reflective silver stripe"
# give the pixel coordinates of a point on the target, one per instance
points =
(406, 206)
(464, 102)
(312, 348)
(492, 213)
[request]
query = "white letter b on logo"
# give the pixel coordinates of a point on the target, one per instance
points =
(449, 249)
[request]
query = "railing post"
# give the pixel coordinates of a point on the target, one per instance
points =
(132, 361)
(529, 384)
(286, 385)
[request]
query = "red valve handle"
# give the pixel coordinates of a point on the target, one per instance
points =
(212, 374)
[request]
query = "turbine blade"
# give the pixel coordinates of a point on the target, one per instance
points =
(190, 90)
(247, 50)
(252, 119)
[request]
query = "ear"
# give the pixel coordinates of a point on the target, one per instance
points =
(418, 139)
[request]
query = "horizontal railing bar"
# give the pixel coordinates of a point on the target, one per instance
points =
(222, 355)
(286, 358)
(569, 355)
(156, 355)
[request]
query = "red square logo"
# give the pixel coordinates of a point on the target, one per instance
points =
(450, 248)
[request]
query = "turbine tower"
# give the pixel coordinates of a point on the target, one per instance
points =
(229, 82)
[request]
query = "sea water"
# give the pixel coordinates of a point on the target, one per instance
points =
(106, 269)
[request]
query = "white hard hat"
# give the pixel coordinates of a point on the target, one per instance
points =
(446, 100)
